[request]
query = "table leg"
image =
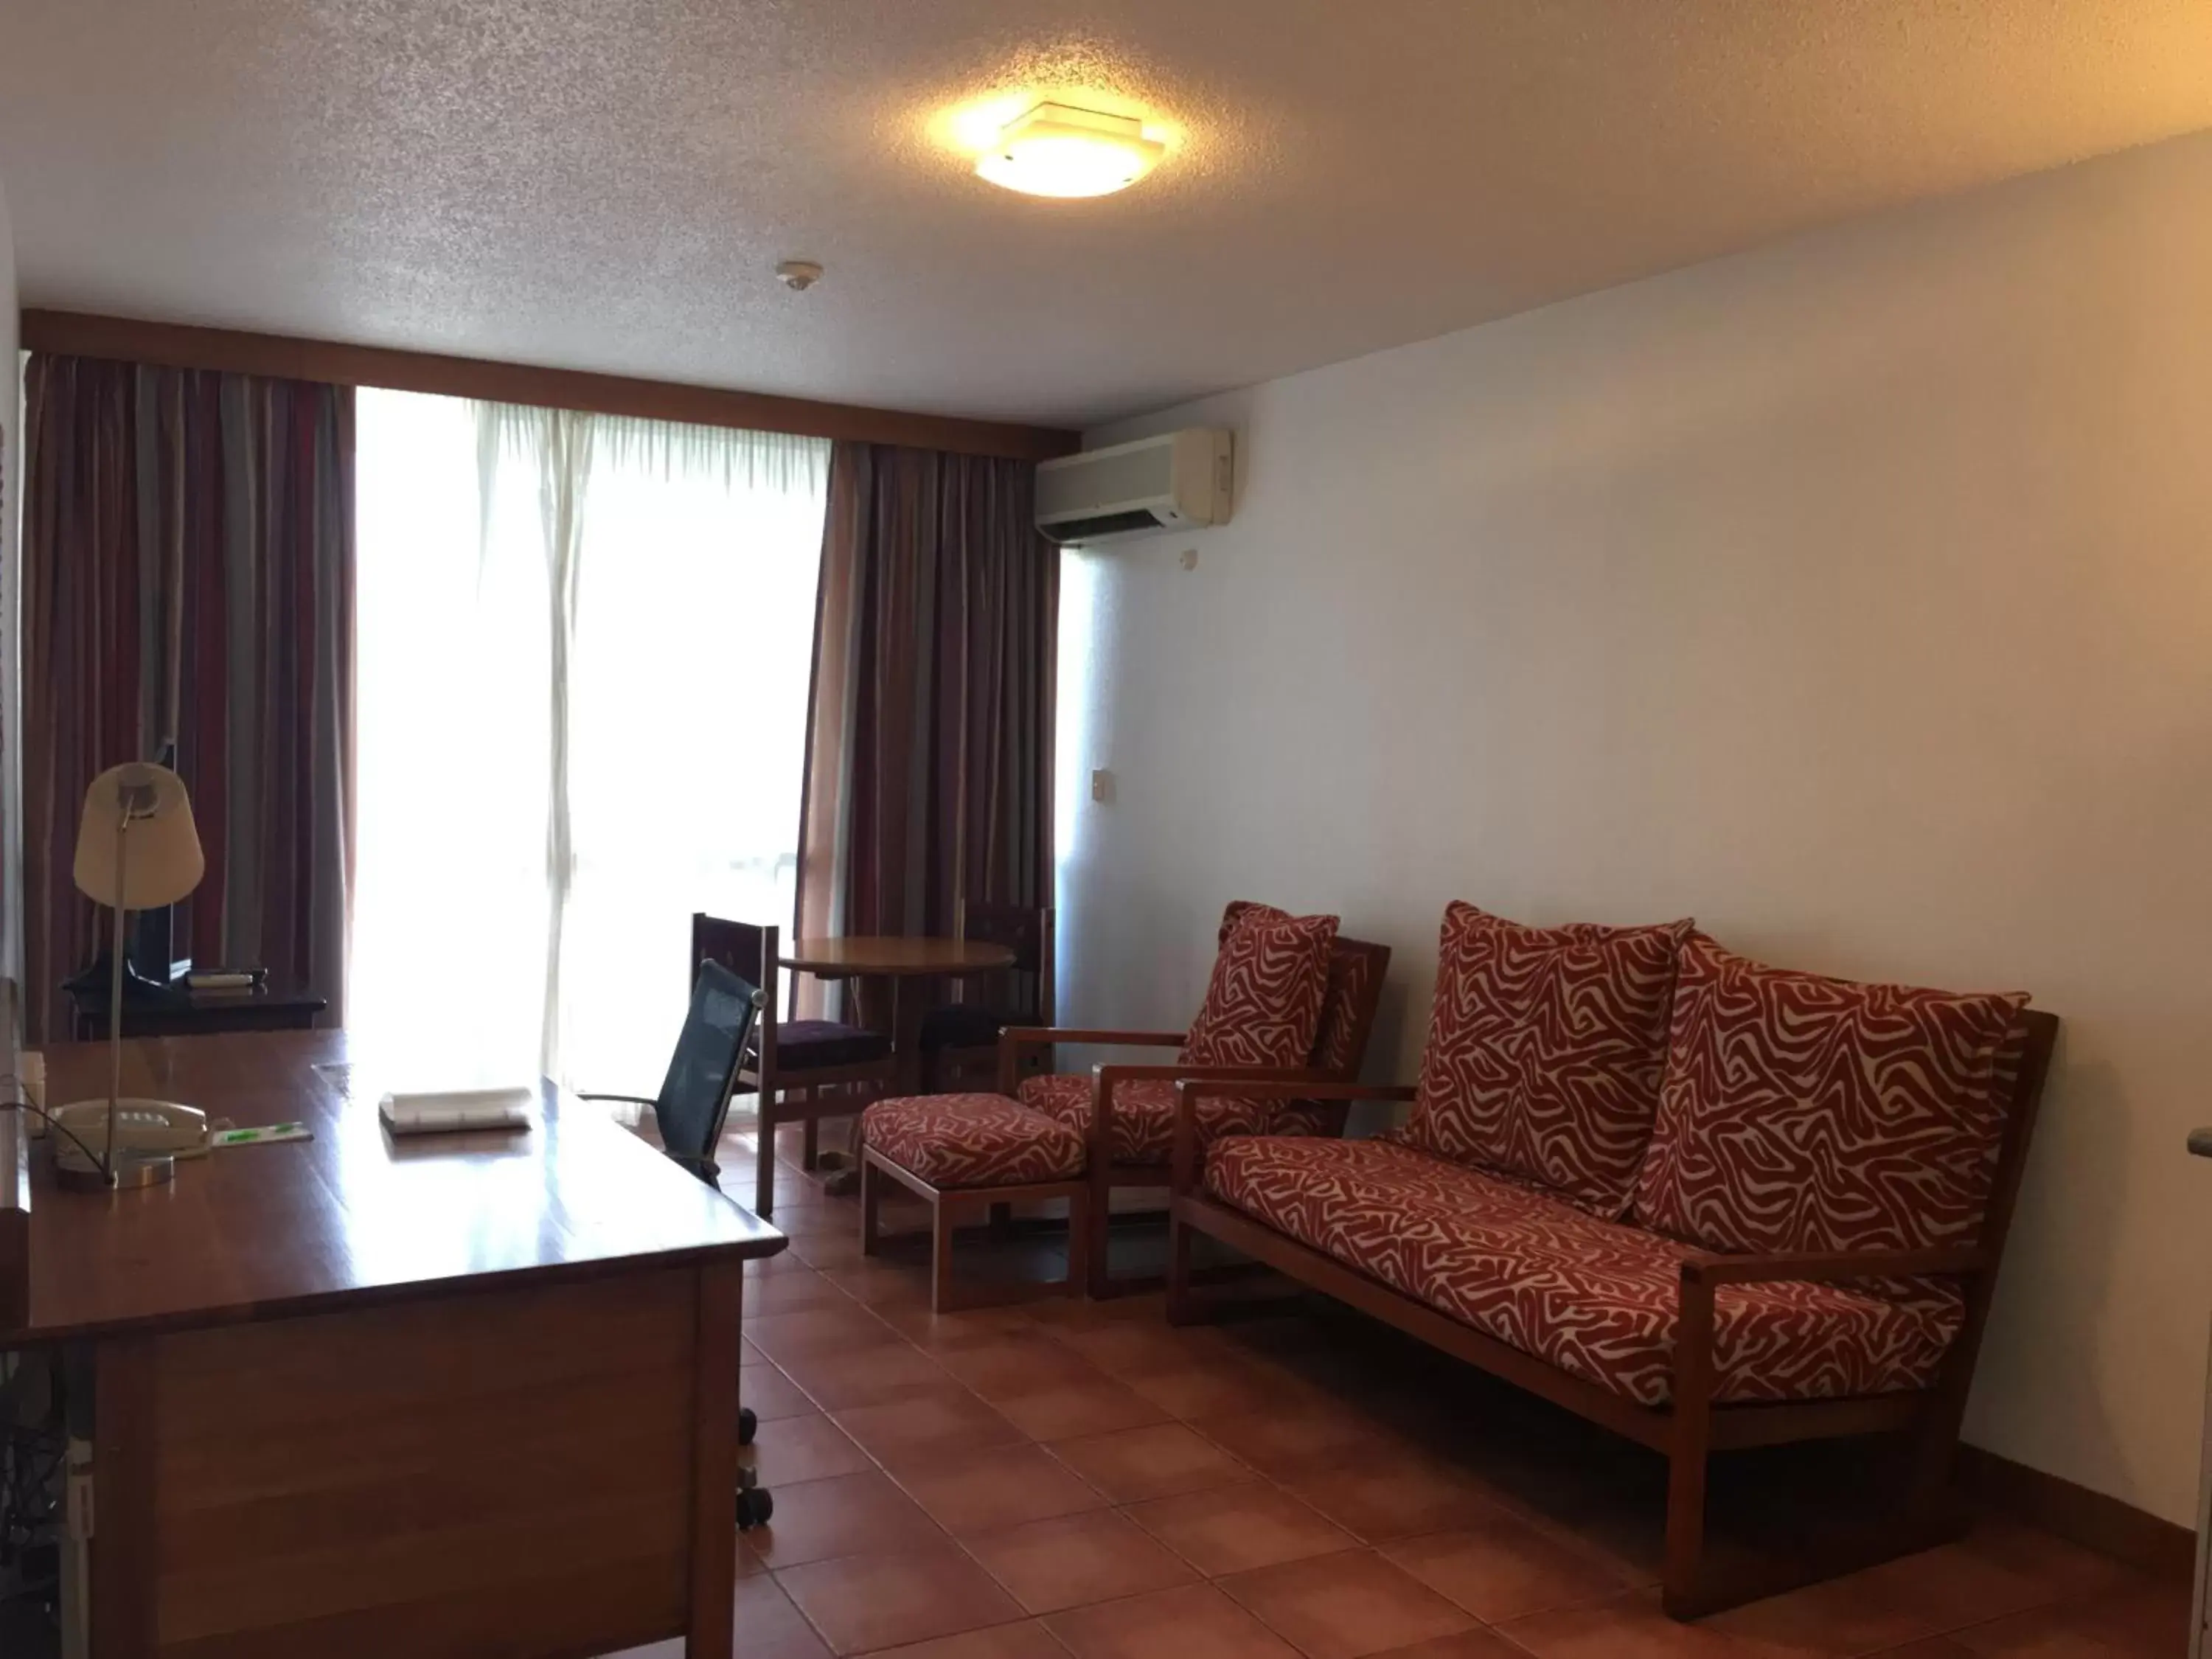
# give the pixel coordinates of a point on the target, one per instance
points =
(909, 1001)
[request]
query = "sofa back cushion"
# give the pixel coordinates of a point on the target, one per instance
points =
(1805, 1113)
(1263, 1005)
(1545, 1051)
(1347, 1005)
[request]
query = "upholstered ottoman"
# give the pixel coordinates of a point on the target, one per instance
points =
(963, 1155)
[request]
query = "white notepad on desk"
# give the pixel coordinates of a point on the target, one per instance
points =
(446, 1111)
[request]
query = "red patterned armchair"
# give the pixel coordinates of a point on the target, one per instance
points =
(1703, 1202)
(1289, 1000)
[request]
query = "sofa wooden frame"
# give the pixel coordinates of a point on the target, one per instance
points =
(1692, 1425)
(1017, 1043)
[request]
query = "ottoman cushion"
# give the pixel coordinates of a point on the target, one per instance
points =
(972, 1140)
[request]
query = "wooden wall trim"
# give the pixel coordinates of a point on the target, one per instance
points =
(2076, 1513)
(174, 345)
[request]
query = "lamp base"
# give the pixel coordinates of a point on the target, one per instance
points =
(133, 1170)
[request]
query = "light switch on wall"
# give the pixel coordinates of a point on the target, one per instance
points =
(1102, 785)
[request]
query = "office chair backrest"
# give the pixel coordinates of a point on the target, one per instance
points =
(695, 1096)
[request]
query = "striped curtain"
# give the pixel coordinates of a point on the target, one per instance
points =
(188, 547)
(929, 769)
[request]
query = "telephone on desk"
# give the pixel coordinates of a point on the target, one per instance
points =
(140, 1125)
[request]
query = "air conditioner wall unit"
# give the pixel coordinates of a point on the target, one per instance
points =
(1178, 481)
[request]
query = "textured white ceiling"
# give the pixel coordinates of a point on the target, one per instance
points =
(607, 184)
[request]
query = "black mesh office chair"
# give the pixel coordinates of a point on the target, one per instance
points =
(689, 1111)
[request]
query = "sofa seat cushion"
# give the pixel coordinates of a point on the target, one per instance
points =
(972, 1140)
(1263, 1003)
(1144, 1114)
(1805, 1113)
(805, 1045)
(1544, 1051)
(1594, 1298)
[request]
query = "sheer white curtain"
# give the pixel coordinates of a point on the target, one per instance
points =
(583, 653)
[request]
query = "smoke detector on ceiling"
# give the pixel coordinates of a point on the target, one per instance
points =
(799, 275)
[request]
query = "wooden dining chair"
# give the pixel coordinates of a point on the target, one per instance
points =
(802, 1070)
(960, 1038)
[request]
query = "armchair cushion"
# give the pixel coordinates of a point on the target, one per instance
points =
(1804, 1112)
(1263, 1005)
(972, 1140)
(1338, 1038)
(1545, 1051)
(1347, 1010)
(1595, 1298)
(1145, 1112)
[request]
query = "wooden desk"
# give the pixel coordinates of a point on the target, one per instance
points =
(463, 1395)
(865, 956)
(196, 1013)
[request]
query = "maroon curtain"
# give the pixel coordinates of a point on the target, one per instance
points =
(188, 547)
(929, 771)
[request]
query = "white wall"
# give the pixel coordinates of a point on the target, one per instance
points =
(1854, 595)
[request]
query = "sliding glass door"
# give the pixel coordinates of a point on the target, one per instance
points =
(584, 647)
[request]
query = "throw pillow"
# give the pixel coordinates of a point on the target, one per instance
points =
(1805, 1113)
(1263, 1004)
(1545, 1051)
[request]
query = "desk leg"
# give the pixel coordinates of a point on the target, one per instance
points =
(714, 1463)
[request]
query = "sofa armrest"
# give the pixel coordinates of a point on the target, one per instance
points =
(1182, 1177)
(1014, 1039)
(1823, 1267)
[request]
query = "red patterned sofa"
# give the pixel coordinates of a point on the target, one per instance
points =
(1289, 998)
(1706, 1203)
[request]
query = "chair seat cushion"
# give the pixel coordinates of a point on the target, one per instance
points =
(802, 1044)
(1594, 1298)
(1144, 1110)
(972, 1140)
(964, 1025)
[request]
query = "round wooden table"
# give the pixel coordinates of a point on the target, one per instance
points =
(873, 956)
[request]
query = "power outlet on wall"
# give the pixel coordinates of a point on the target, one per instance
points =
(1102, 785)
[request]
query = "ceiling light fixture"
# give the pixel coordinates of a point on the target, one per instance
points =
(1057, 149)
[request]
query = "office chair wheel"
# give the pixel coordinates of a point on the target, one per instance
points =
(748, 1425)
(755, 1508)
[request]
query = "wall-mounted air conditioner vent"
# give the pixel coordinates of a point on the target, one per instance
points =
(1179, 481)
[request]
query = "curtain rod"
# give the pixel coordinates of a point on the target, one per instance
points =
(175, 345)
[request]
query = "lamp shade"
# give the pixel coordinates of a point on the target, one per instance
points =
(161, 860)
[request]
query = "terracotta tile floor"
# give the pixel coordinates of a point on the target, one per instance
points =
(1074, 1477)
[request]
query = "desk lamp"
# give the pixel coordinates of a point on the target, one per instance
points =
(137, 849)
